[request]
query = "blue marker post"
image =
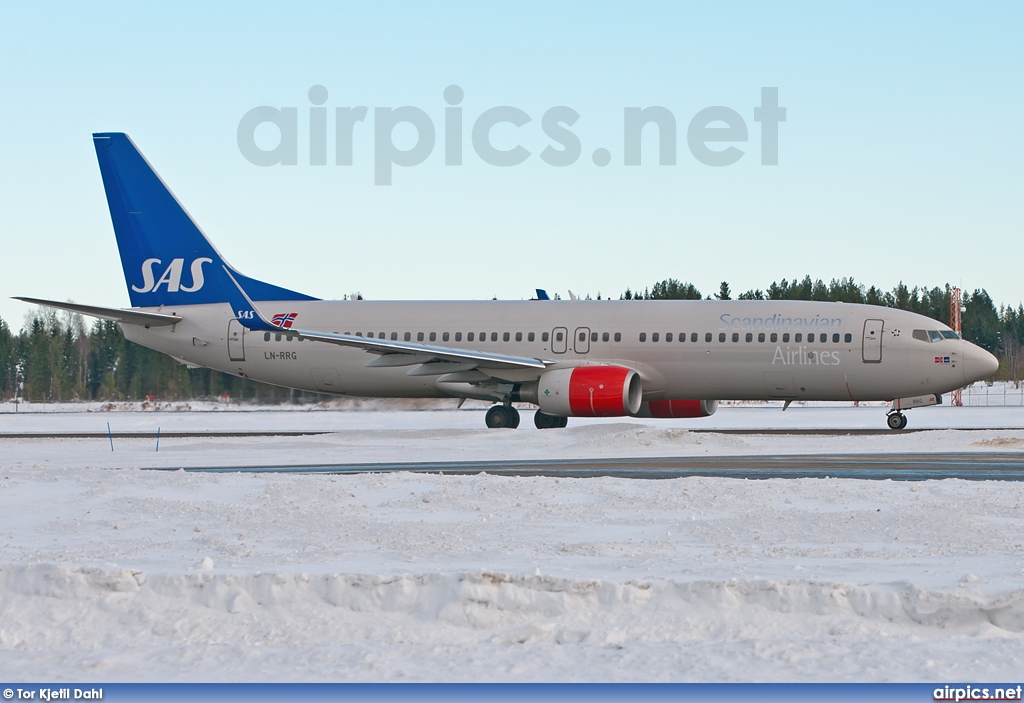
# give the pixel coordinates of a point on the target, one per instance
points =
(158, 439)
(110, 436)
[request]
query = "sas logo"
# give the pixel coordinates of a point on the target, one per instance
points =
(942, 360)
(284, 319)
(171, 277)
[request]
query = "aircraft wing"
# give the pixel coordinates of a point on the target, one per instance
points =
(395, 353)
(134, 317)
(432, 360)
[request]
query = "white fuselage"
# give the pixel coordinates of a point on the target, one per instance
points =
(736, 350)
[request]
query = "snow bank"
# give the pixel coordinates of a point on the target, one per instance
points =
(101, 615)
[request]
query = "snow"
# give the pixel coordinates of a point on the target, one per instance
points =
(110, 573)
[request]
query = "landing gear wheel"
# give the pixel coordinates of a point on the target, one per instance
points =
(500, 416)
(896, 421)
(544, 421)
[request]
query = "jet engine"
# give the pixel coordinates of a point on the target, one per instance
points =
(678, 408)
(589, 391)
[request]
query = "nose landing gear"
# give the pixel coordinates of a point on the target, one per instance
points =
(896, 420)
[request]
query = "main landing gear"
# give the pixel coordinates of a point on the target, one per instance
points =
(500, 416)
(896, 420)
(543, 421)
(506, 416)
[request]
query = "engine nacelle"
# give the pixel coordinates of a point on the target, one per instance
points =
(678, 408)
(589, 391)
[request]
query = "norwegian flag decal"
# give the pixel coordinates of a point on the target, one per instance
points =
(942, 360)
(284, 319)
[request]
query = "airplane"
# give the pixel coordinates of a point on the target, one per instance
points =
(575, 358)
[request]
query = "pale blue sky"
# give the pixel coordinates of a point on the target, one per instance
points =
(900, 159)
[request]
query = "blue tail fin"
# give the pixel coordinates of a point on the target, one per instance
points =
(167, 260)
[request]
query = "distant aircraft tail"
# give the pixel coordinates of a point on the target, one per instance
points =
(167, 260)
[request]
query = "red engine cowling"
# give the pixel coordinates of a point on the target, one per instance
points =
(590, 391)
(678, 408)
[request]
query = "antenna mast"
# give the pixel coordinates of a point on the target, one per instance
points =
(955, 321)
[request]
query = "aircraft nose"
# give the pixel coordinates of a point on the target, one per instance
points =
(978, 363)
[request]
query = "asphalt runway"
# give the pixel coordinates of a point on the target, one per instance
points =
(972, 466)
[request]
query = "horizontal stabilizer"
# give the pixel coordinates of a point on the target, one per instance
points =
(131, 317)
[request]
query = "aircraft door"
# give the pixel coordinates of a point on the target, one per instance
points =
(872, 352)
(559, 340)
(236, 341)
(582, 342)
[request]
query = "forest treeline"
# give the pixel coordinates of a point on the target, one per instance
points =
(58, 357)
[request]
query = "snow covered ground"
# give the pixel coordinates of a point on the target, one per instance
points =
(109, 573)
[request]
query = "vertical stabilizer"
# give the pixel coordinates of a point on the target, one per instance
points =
(167, 260)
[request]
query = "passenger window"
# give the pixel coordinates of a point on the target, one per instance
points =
(470, 336)
(774, 338)
(707, 337)
(458, 336)
(848, 338)
(494, 336)
(370, 335)
(544, 336)
(407, 336)
(735, 337)
(760, 336)
(798, 337)
(668, 336)
(483, 336)
(643, 336)
(277, 337)
(519, 336)
(593, 336)
(655, 337)
(604, 337)
(583, 336)
(382, 335)
(750, 337)
(433, 336)
(934, 336)
(530, 337)
(505, 337)
(266, 336)
(693, 337)
(618, 336)
(558, 336)
(810, 337)
(785, 337)
(394, 336)
(444, 337)
(835, 338)
(419, 336)
(721, 337)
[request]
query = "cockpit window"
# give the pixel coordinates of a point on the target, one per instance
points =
(932, 336)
